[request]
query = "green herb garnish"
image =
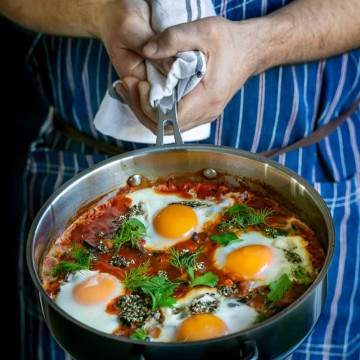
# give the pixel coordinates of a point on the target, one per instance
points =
(186, 260)
(261, 317)
(302, 276)
(292, 256)
(65, 267)
(274, 232)
(207, 279)
(191, 203)
(278, 288)
(238, 209)
(130, 232)
(82, 259)
(241, 216)
(139, 334)
(225, 239)
(157, 287)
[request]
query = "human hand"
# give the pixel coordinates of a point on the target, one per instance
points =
(233, 55)
(124, 27)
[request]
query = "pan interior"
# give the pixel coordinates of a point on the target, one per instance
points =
(111, 174)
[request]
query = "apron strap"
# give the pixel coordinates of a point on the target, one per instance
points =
(72, 133)
(316, 136)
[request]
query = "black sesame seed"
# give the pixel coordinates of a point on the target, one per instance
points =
(228, 290)
(99, 234)
(232, 305)
(133, 309)
(121, 261)
(101, 248)
(206, 303)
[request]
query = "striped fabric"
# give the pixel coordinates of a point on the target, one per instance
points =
(272, 110)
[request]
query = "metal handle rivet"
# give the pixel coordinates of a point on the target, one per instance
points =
(134, 180)
(210, 173)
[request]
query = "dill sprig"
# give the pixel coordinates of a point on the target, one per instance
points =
(192, 203)
(81, 261)
(139, 334)
(186, 260)
(134, 278)
(302, 276)
(274, 232)
(130, 232)
(157, 287)
(241, 216)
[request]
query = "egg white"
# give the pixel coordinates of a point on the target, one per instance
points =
(235, 315)
(91, 315)
(152, 202)
(280, 265)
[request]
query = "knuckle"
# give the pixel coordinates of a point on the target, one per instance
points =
(214, 28)
(214, 114)
(170, 36)
(183, 122)
(113, 49)
(216, 106)
(210, 29)
(148, 112)
(152, 127)
(126, 23)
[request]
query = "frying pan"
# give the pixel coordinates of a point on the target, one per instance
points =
(274, 338)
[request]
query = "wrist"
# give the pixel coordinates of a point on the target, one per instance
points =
(98, 16)
(268, 41)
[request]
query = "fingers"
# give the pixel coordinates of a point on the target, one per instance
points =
(177, 38)
(144, 92)
(136, 94)
(193, 113)
(128, 89)
(163, 65)
(128, 63)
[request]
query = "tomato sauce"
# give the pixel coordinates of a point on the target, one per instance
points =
(99, 223)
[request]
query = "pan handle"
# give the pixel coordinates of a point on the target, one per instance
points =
(248, 351)
(163, 118)
(168, 118)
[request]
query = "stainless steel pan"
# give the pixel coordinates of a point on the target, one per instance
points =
(273, 338)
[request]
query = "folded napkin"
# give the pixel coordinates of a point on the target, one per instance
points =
(115, 118)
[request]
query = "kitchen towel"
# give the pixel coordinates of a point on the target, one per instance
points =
(115, 118)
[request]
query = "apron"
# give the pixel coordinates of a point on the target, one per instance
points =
(270, 111)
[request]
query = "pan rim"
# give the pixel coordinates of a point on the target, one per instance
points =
(193, 147)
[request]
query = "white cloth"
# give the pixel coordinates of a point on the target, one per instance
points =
(115, 118)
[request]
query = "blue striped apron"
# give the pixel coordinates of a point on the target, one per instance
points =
(272, 110)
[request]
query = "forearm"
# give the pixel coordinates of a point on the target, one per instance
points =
(306, 30)
(61, 17)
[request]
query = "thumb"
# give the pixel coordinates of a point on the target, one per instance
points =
(175, 39)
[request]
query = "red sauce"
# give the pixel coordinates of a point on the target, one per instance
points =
(102, 220)
(99, 220)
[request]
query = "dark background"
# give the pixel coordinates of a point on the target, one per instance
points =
(22, 112)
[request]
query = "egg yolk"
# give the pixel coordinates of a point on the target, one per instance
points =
(95, 289)
(175, 221)
(201, 327)
(248, 262)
